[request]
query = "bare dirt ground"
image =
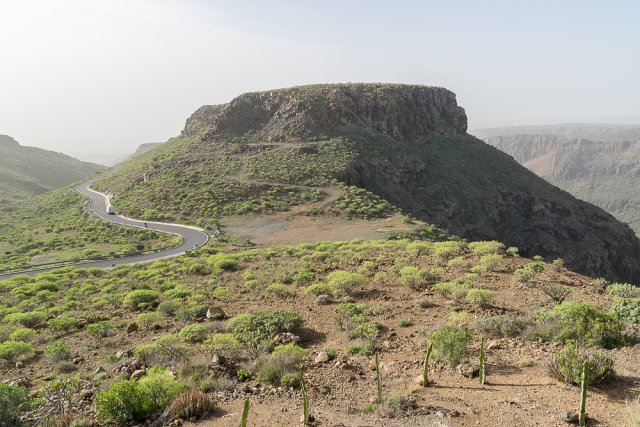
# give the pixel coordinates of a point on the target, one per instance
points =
(293, 229)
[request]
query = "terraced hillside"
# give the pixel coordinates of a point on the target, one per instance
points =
(28, 171)
(361, 151)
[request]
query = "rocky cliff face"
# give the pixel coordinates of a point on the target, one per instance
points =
(407, 144)
(400, 112)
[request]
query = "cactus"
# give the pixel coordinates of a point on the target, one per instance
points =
(583, 397)
(482, 361)
(305, 401)
(378, 379)
(245, 413)
(425, 369)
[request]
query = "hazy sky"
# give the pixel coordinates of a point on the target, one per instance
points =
(107, 75)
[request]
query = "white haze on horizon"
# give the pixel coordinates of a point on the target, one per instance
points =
(104, 76)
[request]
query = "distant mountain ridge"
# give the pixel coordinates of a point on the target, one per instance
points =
(605, 173)
(28, 171)
(407, 145)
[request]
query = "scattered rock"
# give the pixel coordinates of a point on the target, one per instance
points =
(569, 416)
(137, 374)
(418, 380)
(322, 357)
(98, 370)
(133, 326)
(468, 370)
(19, 364)
(348, 300)
(215, 313)
(493, 345)
(323, 299)
(286, 338)
(123, 353)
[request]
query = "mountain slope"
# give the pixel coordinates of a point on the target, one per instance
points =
(383, 147)
(27, 171)
(604, 173)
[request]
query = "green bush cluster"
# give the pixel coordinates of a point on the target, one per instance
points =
(127, 401)
(255, 331)
(450, 343)
(587, 325)
(13, 402)
(566, 365)
(338, 284)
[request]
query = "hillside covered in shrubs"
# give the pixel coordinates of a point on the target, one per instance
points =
(192, 338)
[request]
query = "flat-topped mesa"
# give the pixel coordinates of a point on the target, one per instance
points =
(404, 113)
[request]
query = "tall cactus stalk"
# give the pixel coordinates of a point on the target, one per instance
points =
(482, 362)
(378, 379)
(583, 397)
(425, 369)
(305, 401)
(245, 413)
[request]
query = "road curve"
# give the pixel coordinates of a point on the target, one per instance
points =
(192, 237)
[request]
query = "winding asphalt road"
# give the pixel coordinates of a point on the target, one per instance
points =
(192, 237)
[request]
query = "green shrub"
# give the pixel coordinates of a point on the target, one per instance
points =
(628, 309)
(587, 325)
(13, 402)
(455, 290)
(290, 380)
(338, 284)
(141, 298)
(123, 402)
(479, 297)
(169, 307)
(221, 293)
(487, 263)
(512, 251)
(291, 351)
(29, 319)
(226, 263)
(255, 331)
(194, 333)
(12, 350)
(159, 388)
(446, 250)
(365, 331)
(148, 320)
(524, 275)
(458, 262)
(171, 348)
(23, 334)
(501, 326)
(486, 247)
(624, 290)
(412, 276)
(405, 323)
(556, 292)
(191, 313)
(450, 343)
(57, 351)
(149, 354)
(223, 344)
(566, 365)
(279, 290)
(100, 329)
(62, 324)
